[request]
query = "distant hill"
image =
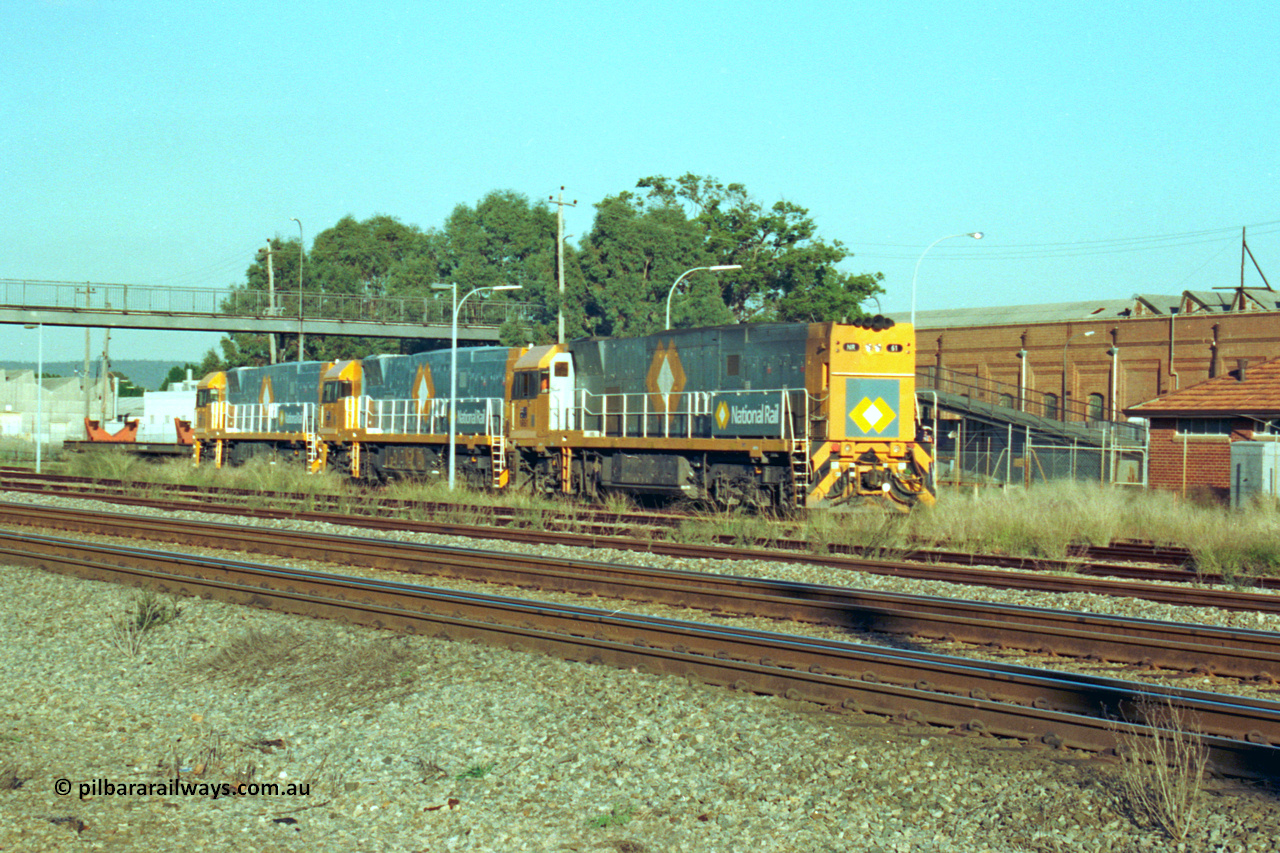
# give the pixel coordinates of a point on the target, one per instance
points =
(144, 374)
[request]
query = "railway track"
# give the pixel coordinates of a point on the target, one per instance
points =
(1142, 584)
(1124, 559)
(1242, 735)
(1230, 653)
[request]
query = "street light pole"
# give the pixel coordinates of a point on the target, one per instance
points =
(39, 327)
(301, 241)
(453, 365)
(672, 291)
(977, 235)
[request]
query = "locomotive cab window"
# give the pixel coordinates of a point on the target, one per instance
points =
(335, 391)
(526, 384)
(204, 397)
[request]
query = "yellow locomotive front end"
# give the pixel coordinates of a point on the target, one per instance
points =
(340, 428)
(211, 415)
(866, 444)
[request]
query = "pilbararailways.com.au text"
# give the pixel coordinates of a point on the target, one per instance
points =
(181, 788)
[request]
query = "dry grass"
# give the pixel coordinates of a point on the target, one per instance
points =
(1051, 520)
(343, 673)
(146, 612)
(1054, 519)
(1161, 772)
(12, 776)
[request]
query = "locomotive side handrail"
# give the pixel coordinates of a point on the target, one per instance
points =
(631, 416)
(269, 417)
(404, 417)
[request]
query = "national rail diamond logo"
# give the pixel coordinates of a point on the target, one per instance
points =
(423, 388)
(873, 416)
(266, 394)
(722, 415)
(665, 379)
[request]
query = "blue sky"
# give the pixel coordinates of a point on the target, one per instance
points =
(1104, 148)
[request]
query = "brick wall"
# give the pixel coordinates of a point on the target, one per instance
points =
(1207, 458)
(1154, 355)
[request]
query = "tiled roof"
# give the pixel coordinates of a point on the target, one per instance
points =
(1257, 394)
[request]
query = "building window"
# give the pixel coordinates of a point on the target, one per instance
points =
(1204, 426)
(1050, 405)
(1006, 400)
(1096, 408)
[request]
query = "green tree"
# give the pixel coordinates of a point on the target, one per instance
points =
(788, 272)
(506, 240)
(125, 386)
(636, 250)
(178, 374)
(352, 265)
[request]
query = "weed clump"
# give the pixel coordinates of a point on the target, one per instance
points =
(614, 817)
(146, 613)
(1161, 771)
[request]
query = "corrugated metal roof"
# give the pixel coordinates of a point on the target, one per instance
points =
(1056, 312)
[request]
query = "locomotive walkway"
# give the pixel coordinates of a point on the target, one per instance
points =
(135, 306)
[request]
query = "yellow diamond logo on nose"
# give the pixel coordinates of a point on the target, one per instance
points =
(722, 414)
(872, 416)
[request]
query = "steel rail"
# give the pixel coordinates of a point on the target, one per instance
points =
(1114, 560)
(1183, 596)
(1242, 735)
(1236, 653)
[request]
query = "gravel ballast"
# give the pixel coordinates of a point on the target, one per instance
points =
(415, 743)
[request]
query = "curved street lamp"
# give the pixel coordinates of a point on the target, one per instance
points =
(300, 242)
(977, 235)
(672, 291)
(453, 365)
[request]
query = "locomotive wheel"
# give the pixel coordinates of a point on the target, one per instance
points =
(740, 492)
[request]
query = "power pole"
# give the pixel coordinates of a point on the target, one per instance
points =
(301, 242)
(88, 389)
(106, 372)
(271, 300)
(561, 204)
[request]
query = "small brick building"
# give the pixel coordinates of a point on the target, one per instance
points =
(1192, 429)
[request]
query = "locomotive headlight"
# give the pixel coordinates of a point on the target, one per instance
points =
(846, 449)
(897, 449)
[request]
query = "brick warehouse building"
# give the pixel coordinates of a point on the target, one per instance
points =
(1192, 430)
(1102, 356)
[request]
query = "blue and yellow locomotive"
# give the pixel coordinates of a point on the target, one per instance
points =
(782, 415)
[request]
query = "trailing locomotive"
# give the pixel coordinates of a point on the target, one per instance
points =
(251, 411)
(781, 415)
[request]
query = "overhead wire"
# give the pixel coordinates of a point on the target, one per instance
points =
(231, 259)
(1080, 248)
